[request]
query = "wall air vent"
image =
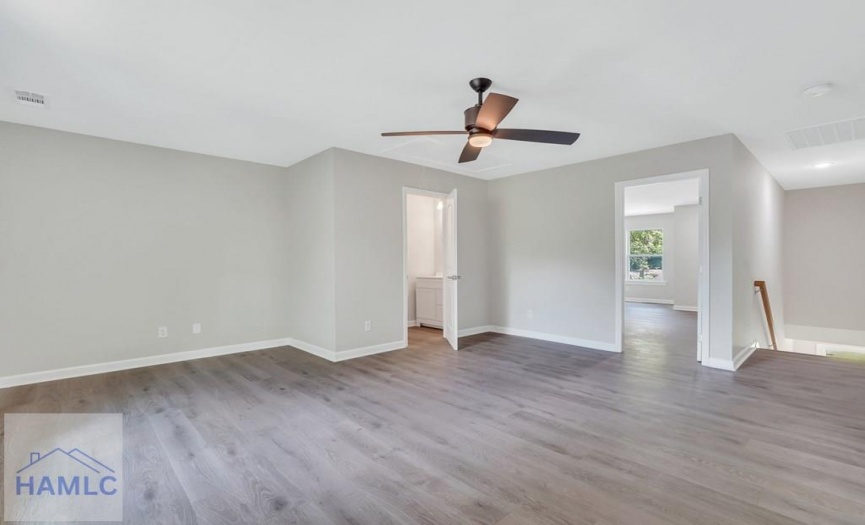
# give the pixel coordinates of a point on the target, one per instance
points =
(825, 134)
(28, 98)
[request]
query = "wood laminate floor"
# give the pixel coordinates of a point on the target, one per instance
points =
(506, 431)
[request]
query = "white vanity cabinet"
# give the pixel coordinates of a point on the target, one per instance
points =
(428, 292)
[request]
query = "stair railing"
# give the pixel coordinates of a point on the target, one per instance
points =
(760, 287)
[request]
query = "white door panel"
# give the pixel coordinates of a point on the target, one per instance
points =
(451, 275)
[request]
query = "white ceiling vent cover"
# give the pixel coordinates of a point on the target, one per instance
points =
(825, 134)
(28, 98)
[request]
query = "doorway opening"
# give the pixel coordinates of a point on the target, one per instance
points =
(429, 264)
(662, 265)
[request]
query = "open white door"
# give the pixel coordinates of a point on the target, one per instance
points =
(451, 276)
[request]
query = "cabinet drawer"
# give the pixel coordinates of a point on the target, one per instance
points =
(434, 283)
(426, 303)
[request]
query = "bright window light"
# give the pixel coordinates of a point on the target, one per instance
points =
(646, 255)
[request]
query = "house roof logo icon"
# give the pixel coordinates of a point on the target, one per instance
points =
(76, 456)
(62, 468)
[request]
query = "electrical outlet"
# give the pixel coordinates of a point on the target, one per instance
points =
(367, 326)
(530, 314)
(196, 328)
(162, 332)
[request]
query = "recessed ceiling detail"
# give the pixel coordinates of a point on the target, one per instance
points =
(825, 134)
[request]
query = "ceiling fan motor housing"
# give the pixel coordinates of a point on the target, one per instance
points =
(471, 115)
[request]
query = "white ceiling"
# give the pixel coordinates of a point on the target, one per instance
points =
(661, 197)
(277, 81)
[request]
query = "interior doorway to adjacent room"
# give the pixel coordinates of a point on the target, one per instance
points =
(662, 263)
(430, 262)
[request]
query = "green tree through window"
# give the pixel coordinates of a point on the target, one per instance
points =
(646, 255)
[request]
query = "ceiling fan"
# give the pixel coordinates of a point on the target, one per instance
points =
(482, 122)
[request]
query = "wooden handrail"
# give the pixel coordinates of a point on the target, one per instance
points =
(767, 308)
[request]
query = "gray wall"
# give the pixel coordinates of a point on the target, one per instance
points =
(552, 236)
(104, 241)
(824, 255)
(369, 245)
(310, 274)
(101, 242)
(687, 256)
(757, 249)
(648, 291)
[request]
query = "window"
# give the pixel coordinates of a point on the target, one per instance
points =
(646, 255)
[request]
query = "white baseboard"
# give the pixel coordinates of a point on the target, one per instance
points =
(832, 336)
(829, 348)
(797, 346)
(412, 323)
(685, 308)
(139, 362)
(330, 355)
(732, 365)
(368, 350)
(744, 354)
(476, 330)
(647, 300)
(541, 336)
(720, 364)
(128, 364)
(317, 351)
(553, 338)
(345, 355)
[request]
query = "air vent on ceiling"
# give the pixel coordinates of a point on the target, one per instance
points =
(28, 98)
(825, 134)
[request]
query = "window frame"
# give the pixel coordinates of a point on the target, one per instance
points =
(628, 256)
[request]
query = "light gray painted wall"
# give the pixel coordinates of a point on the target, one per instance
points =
(369, 245)
(662, 292)
(824, 250)
(104, 241)
(101, 242)
(308, 200)
(421, 238)
(757, 249)
(553, 245)
(686, 256)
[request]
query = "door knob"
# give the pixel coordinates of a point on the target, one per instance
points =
(455, 277)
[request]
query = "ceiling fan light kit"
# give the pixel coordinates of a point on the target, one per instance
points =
(482, 121)
(480, 139)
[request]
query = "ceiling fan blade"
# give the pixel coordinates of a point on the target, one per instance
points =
(415, 133)
(494, 109)
(469, 153)
(537, 135)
